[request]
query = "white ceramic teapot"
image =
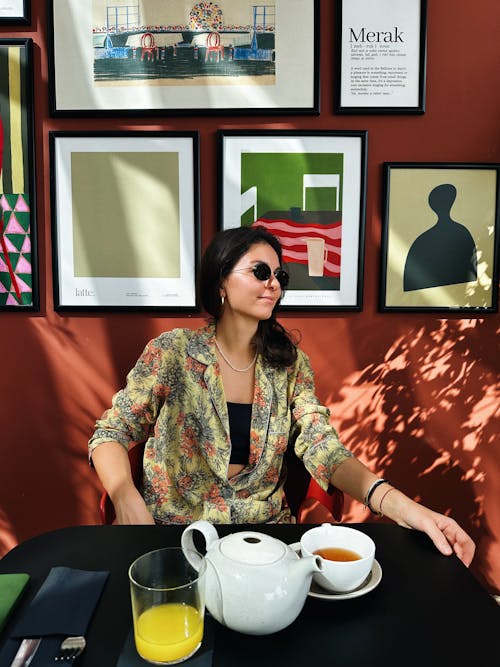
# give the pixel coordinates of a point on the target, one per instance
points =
(255, 583)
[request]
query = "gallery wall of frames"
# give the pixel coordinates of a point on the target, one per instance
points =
(132, 131)
(310, 186)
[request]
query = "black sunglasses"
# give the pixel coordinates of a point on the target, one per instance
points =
(262, 271)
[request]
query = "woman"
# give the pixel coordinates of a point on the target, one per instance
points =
(218, 407)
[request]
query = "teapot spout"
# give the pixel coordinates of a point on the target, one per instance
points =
(305, 567)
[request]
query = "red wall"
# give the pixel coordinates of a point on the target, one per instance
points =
(416, 395)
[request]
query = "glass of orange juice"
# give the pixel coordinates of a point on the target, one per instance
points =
(168, 606)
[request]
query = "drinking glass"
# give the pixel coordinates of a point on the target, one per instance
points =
(168, 606)
(317, 255)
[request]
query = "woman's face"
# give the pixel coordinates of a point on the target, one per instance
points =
(247, 295)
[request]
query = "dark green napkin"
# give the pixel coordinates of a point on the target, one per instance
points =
(11, 588)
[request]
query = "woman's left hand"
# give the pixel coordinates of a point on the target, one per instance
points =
(353, 477)
(444, 531)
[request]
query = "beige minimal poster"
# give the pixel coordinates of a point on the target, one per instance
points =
(125, 219)
(126, 214)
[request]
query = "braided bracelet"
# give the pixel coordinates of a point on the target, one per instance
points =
(381, 513)
(369, 494)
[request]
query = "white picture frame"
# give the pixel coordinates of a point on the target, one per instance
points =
(273, 178)
(125, 219)
(14, 12)
(101, 63)
(381, 56)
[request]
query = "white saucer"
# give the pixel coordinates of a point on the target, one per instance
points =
(371, 582)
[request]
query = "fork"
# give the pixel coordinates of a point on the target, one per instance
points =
(70, 648)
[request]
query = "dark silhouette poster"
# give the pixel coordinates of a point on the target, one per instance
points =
(440, 237)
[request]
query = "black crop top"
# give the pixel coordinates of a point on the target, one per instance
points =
(240, 415)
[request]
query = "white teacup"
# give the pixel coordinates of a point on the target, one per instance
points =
(339, 576)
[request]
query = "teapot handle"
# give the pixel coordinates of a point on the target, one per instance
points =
(187, 543)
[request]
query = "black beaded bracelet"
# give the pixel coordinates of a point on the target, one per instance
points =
(369, 494)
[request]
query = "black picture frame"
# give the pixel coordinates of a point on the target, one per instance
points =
(15, 12)
(241, 62)
(380, 56)
(125, 220)
(309, 189)
(19, 289)
(441, 225)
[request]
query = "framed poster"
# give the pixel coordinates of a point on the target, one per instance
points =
(13, 12)
(307, 188)
(440, 237)
(157, 57)
(125, 219)
(381, 56)
(18, 240)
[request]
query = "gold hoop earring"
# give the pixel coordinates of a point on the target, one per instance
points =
(222, 299)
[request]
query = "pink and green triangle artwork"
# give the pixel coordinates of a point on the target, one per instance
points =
(16, 280)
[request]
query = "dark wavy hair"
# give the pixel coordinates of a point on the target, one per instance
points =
(271, 340)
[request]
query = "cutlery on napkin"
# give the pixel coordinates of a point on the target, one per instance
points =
(63, 606)
(26, 653)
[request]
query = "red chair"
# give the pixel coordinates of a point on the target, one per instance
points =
(214, 46)
(321, 506)
(312, 505)
(307, 500)
(149, 48)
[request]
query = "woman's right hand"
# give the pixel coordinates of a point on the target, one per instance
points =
(112, 464)
(130, 507)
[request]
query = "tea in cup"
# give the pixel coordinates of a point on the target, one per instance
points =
(346, 554)
(168, 606)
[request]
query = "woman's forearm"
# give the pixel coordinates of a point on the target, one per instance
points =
(112, 465)
(354, 478)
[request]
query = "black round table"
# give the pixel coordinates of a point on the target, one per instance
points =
(428, 609)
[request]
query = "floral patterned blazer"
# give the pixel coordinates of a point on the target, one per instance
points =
(174, 401)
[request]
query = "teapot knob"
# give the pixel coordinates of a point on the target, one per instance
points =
(209, 533)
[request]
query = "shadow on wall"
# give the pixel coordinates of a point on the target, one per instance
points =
(398, 413)
(63, 373)
(31, 440)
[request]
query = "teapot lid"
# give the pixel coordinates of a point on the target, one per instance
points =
(252, 548)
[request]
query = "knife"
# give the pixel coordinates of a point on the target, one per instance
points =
(25, 652)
